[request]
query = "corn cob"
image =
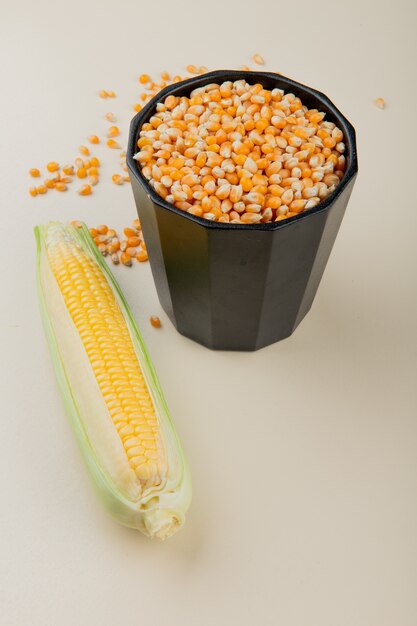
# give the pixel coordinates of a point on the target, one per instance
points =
(109, 385)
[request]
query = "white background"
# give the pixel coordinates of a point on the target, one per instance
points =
(304, 454)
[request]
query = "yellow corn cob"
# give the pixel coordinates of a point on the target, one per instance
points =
(109, 385)
(103, 331)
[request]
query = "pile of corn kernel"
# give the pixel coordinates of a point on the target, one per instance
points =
(120, 250)
(240, 153)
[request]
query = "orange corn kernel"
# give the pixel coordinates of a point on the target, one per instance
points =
(34, 172)
(137, 107)
(126, 259)
(133, 242)
(59, 186)
(68, 170)
(84, 150)
(117, 179)
(52, 166)
(93, 139)
(111, 143)
(33, 191)
(85, 190)
(81, 172)
(94, 162)
(113, 131)
(129, 232)
(144, 79)
(42, 189)
(142, 256)
(155, 321)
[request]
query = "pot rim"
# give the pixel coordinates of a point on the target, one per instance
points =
(282, 82)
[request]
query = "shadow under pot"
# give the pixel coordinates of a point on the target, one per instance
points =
(234, 286)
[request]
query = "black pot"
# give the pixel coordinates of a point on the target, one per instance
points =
(233, 286)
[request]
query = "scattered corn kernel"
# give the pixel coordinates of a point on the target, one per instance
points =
(142, 256)
(258, 59)
(380, 103)
(93, 139)
(94, 162)
(34, 172)
(111, 143)
(68, 170)
(81, 172)
(85, 190)
(52, 166)
(42, 189)
(59, 186)
(84, 150)
(33, 191)
(137, 107)
(110, 117)
(111, 94)
(103, 93)
(155, 321)
(117, 179)
(113, 131)
(144, 79)
(126, 259)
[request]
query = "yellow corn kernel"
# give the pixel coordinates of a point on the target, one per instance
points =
(34, 172)
(84, 150)
(93, 139)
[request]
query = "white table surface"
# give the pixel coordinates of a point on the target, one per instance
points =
(304, 454)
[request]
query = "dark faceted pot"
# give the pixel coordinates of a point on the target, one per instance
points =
(232, 286)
